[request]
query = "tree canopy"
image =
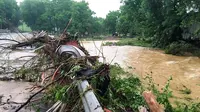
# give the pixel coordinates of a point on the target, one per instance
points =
(111, 21)
(53, 15)
(9, 14)
(164, 21)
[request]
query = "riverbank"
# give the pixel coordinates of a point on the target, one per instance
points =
(177, 48)
(154, 63)
(130, 42)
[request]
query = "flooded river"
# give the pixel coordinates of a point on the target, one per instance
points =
(185, 71)
(13, 93)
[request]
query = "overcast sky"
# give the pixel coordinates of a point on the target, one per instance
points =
(100, 7)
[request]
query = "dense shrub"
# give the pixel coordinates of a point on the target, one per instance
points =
(182, 48)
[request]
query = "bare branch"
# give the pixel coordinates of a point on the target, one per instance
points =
(11, 40)
(38, 93)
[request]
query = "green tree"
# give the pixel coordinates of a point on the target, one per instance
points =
(164, 22)
(124, 24)
(82, 18)
(111, 21)
(98, 27)
(53, 15)
(60, 13)
(31, 12)
(9, 14)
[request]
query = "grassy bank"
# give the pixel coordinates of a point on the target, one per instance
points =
(95, 38)
(131, 42)
(180, 48)
(24, 28)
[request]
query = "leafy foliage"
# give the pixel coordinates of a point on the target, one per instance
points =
(53, 16)
(182, 48)
(193, 107)
(163, 97)
(123, 25)
(124, 93)
(164, 22)
(129, 90)
(111, 21)
(9, 14)
(23, 27)
(31, 11)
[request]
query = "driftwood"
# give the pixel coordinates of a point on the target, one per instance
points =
(152, 103)
(48, 61)
(40, 37)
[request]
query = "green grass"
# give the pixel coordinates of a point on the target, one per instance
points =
(179, 48)
(24, 28)
(131, 42)
(93, 38)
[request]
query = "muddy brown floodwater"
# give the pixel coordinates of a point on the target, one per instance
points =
(185, 71)
(15, 93)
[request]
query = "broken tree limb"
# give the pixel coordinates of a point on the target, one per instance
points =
(152, 103)
(11, 40)
(40, 37)
(37, 94)
(65, 30)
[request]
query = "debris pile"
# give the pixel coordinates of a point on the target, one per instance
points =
(66, 77)
(59, 66)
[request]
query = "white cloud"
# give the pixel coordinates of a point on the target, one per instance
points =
(18, 1)
(100, 7)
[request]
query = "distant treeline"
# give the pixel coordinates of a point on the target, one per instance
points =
(173, 25)
(51, 15)
(166, 23)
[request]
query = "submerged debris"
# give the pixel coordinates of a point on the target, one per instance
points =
(60, 64)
